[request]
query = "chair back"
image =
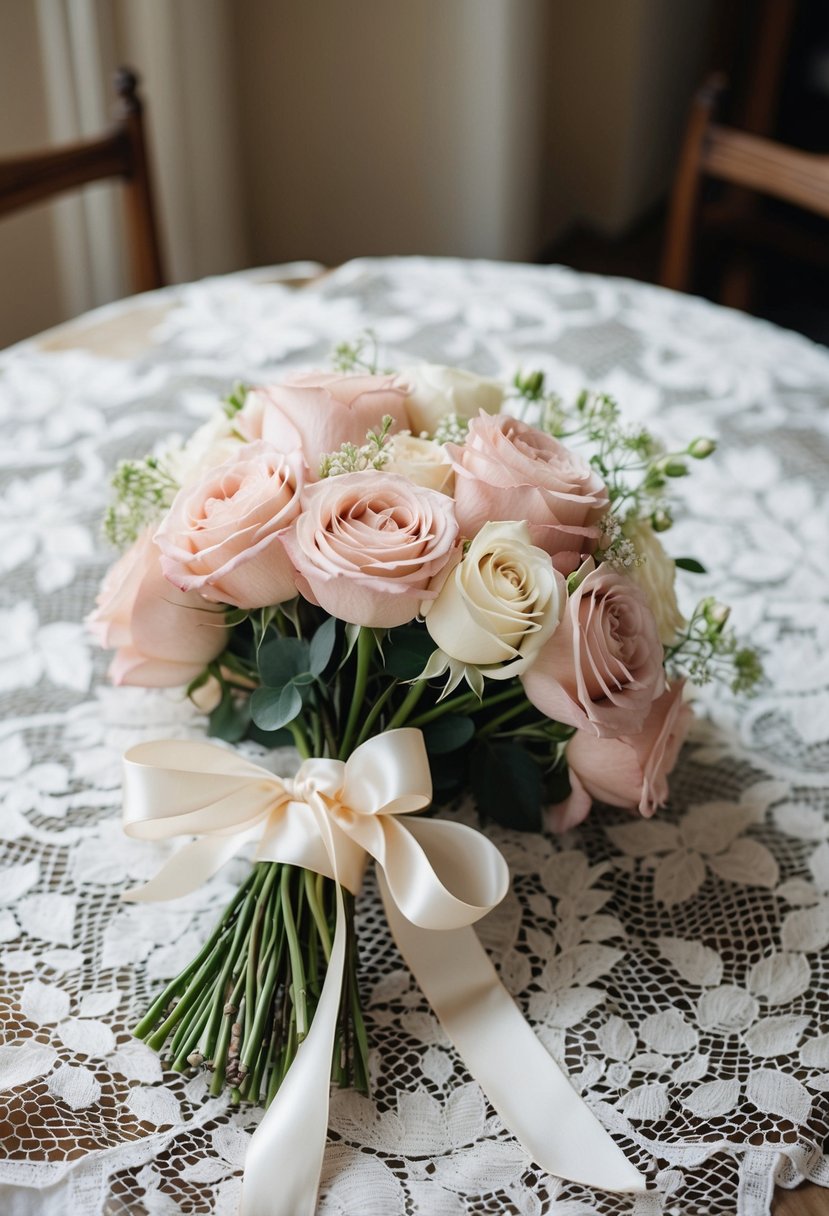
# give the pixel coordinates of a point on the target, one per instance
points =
(120, 153)
(750, 162)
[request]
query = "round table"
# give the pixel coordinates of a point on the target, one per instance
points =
(676, 967)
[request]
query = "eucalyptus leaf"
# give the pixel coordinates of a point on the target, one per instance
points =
(230, 719)
(281, 660)
(322, 646)
(447, 734)
(272, 708)
(270, 738)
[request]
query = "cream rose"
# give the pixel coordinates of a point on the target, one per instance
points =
(500, 604)
(221, 535)
(369, 547)
(435, 391)
(657, 578)
(602, 669)
(162, 637)
(420, 460)
(508, 469)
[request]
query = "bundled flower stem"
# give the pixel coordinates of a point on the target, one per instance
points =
(347, 553)
(247, 1000)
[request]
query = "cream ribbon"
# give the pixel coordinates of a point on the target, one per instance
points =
(434, 875)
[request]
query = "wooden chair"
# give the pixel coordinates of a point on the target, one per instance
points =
(122, 153)
(748, 162)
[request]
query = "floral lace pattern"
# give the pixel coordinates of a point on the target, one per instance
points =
(678, 967)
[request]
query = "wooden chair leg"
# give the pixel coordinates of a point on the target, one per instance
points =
(737, 284)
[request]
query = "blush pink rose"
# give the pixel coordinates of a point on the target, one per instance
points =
(509, 470)
(370, 547)
(221, 535)
(603, 667)
(162, 637)
(320, 411)
(631, 771)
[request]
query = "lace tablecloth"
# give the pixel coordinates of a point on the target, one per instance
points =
(678, 967)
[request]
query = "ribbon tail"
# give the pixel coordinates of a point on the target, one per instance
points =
(521, 1079)
(284, 1159)
(188, 869)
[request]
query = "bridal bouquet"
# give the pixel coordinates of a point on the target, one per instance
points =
(424, 593)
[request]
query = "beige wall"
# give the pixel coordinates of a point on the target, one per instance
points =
(375, 127)
(621, 75)
(329, 129)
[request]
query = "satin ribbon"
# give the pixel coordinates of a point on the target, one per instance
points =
(434, 876)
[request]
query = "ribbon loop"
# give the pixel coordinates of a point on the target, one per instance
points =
(434, 875)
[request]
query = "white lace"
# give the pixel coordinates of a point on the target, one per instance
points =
(678, 967)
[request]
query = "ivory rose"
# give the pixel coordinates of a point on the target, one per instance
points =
(369, 547)
(213, 443)
(320, 411)
(500, 604)
(221, 535)
(602, 668)
(420, 460)
(509, 470)
(162, 637)
(435, 391)
(657, 578)
(631, 771)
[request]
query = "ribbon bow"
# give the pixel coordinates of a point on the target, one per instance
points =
(433, 875)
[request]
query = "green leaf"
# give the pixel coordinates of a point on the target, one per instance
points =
(449, 775)
(408, 652)
(272, 708)
(270, 738)
(352, 632)
(230, 719)
(447, 733)
(305, 678)
(199, 682)
(690, 563)
(322, 646)
(507, 785)
(281, 660)
(290, 610)
(235, 616)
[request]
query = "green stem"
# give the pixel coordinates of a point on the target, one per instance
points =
(506, 716)
(257, 934)
(407, 705)
(328, 728)
(317, 912)
(240, 934)
(365, 647)
(259, 1013)
(375, 712)
(300, 739)
(188, 1032)
(469, 703)
(295, 954)
(161, 1002)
